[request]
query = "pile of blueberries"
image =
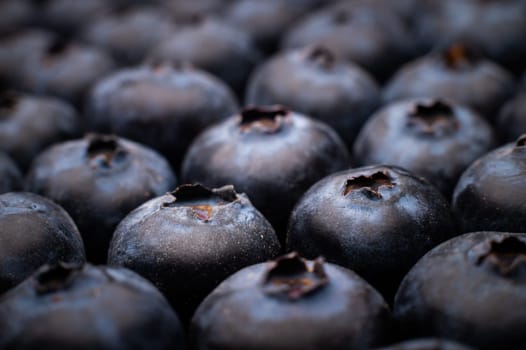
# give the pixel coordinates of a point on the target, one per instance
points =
(263, 174)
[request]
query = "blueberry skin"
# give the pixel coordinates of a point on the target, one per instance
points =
(314, 82)
(214, 46)
(372, 37)
(471, 289)
(489, 195)
(376, 220)
(255, 309)
(186, 242)
(270, 153)
(511, 122)
(29, 124)
(10, 176)
(70, 307)
(99, 179)
(431, 138)
(427, 344)
(161, 106)
(34, 231)
(455, 73)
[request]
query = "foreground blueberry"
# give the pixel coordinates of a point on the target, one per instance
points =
(34, 231)
(471, 288)
(186, 242)
(291, 303)
(99, 179)
(376, 220)
(65, 306)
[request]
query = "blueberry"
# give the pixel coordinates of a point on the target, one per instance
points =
(34, 231)
(10, 175)
(471, 289)
(429, 137)
(314, 82)
(99, 179)
(377, 221)
(291, 303)
(65, 306)
(188, 241)
(511, 122)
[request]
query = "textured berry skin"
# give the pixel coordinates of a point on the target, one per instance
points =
(270, 153)
(291, 304)
(28, 124)
(376, 220)
(160, 106)
(471, 289)
(490, 194)
(214, 46)
(10, 176)
(34, 231)
(186, 242)
(70, 307)
(314, 82)
(369, 36)
(99, 179)
(456, 73)
(432, 138)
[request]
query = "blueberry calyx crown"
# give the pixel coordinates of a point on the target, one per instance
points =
(52, 278)
(289, 277)
(432, 118)
(459, 56)
(201, 200)
(321, 56)
(504, 256)
(8, 102)
(105, 151)
(369, 185)
(341, 16)
(521, 141)
(268, 119)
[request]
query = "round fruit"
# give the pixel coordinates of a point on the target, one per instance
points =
(10, 176)
(512, 118)
(291, 303)
(188, 241)
(471, 289)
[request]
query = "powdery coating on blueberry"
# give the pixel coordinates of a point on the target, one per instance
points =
(376, 220)
(313, 81)
(457, 74)
(99, 179)
(34, 231)
(214, 46)
(28, 124)
(270, 153)
(470, 288)
(372, 37)
(188, 241)
(10, 175)
(490, 193)
(66, 307)
(160, 106)
(432, 138)
(340, 311)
